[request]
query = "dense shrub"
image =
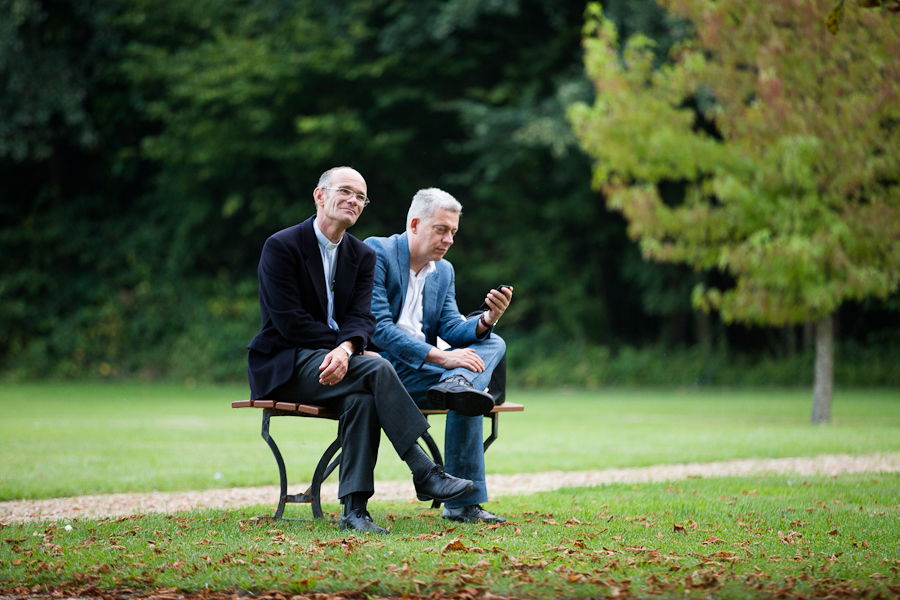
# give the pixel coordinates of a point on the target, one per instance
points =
(531, 365)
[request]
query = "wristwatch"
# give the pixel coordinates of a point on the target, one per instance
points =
(347, 350)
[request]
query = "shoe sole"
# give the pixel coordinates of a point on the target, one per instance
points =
(478, 520)
(469, 403)
(425, 498)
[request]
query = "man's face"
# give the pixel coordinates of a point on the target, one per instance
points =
(429, 239)
(339, 206)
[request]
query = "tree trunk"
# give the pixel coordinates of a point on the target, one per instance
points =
(824, 377)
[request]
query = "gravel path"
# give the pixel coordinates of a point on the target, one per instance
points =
(111, 505)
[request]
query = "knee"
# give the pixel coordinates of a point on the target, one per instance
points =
(377, 365)
(496, 342)
(359, 403)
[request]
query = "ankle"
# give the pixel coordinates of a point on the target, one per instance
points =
(417, 461)
(354, 502)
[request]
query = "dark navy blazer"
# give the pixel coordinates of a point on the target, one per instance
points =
(294, 306)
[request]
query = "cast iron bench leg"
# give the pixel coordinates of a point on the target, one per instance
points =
(495, 428)
(323, 470)
(281, 472)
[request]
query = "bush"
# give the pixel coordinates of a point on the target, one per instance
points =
(193, 332)
(199, 331)
(533, 364)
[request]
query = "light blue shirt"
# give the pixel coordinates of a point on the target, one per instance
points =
(328, 250)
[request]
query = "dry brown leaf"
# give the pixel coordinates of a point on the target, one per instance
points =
(455, 545)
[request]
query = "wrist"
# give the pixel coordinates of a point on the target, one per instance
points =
(483, 320)
(347, 350)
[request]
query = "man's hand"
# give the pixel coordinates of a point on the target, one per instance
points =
(462, 357)
(498, 302)
(334, 367)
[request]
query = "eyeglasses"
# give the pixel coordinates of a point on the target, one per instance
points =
(347, 194)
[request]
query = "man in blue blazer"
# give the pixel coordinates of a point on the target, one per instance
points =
(414, 303)
(315, 296)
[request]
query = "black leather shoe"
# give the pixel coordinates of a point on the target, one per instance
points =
(455, 393)
(361, 521)
(471, 514)
(438, 485)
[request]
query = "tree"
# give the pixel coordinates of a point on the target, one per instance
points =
(786, 141)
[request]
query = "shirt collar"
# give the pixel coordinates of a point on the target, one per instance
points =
(425, 272)
(324, 241)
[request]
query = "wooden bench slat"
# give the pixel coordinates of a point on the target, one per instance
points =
(321, 411)
(509, 407)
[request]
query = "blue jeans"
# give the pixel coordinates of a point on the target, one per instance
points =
(464, 436)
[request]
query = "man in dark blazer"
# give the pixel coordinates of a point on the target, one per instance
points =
(414, 303)
(315, 295)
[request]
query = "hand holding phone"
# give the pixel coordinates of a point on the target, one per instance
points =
(499, 288)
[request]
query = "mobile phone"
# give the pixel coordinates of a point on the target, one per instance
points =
(484, 305)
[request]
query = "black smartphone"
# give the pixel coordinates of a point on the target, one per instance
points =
(484, 305)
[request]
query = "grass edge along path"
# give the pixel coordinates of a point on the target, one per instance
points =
(740, 537)
(114, 505)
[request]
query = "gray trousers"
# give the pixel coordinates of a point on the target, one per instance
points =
(369, 398)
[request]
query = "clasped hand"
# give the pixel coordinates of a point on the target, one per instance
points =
(334, 367)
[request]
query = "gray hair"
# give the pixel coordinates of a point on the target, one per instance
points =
(325, 178)
(426, 201)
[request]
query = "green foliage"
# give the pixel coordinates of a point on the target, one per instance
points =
(198, 334)
(784, 140)
(45, 70)
(593, 367)
(147, 150)
(731, 538)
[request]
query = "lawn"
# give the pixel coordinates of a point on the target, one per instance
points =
(70, 439)
(758, 537)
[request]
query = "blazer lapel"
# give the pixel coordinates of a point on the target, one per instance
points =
(430, 305)
(313, 262)
(403, 267)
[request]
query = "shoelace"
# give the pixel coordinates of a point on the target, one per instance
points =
(362, 514)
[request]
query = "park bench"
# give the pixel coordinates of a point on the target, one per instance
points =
(329, 461)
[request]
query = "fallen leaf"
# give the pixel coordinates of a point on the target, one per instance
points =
(454, 545)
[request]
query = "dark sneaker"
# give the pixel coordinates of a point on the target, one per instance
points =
(455, 393)
(361, 521)
(438, 485)
(471, 514)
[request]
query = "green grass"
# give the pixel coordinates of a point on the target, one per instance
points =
(724, 538)
(71, 439)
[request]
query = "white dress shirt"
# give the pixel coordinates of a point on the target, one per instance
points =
(328, 250)
(410, 321)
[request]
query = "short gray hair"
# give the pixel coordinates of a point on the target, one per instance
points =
(325, 178)
(426, 201)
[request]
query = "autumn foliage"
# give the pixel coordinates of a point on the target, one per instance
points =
(784, 138)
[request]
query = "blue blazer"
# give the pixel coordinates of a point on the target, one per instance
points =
(440, 315)
(294, 306)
